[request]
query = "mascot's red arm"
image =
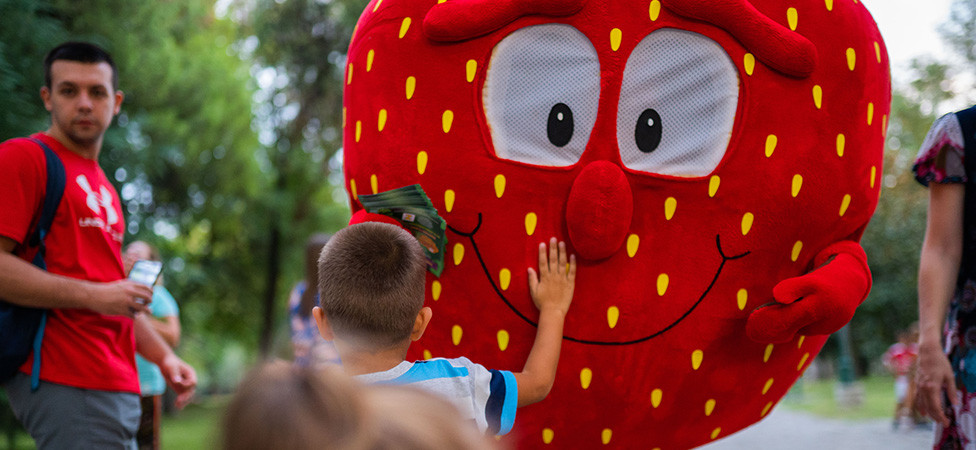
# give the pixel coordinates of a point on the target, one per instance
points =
(818, 302)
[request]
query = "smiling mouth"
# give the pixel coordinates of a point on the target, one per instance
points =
(718, 246)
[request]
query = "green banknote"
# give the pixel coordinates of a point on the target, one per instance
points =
(410, 206)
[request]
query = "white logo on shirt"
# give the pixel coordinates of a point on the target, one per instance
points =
(98, 202)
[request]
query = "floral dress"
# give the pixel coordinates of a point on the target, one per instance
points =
(941, 159)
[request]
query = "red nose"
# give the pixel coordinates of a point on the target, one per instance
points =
(599, 210)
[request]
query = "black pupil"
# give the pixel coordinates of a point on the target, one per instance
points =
(648, 131)
(560, 125)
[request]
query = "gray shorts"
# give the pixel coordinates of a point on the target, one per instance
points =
(64, 417)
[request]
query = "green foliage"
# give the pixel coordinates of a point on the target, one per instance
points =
(225, 171)
(298, 47)
(960, 34)
(894, 237)
(10, 429)
(182, 156)
(181, 153)
(893, 240)
(21, 64)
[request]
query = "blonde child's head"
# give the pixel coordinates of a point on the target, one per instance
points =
(409, 418)
(279, 405)
(282, 406)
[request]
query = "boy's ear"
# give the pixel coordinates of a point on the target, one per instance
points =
(323, 323)
(423, 318)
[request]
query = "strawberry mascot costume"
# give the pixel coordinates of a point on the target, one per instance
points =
(712, 164)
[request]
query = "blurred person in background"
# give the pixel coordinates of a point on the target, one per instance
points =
(308, 346)
(166, 321)
(901, 360)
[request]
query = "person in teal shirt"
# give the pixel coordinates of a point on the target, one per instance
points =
(166, 315)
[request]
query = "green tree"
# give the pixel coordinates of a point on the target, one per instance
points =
(223, 152)
(960, 34)
(182, 153)
(893, 240)
(299, 51)
(21, 64)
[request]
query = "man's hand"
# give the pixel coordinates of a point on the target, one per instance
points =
(119, 298)
(552, 288)
(181, 377)
(934, 377)
(24, 284)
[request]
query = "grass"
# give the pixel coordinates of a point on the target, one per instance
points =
(818, 397)
(195, 427)
(21, 442)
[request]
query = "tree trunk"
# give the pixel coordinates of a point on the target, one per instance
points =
(270, 300)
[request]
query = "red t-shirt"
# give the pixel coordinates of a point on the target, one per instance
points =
(81, 348)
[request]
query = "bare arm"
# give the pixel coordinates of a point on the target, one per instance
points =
(168, 328)
(552, 292)
(24, 284)
(938, 269)
(179, 375)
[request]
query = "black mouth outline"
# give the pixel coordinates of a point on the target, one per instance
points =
(501, 295)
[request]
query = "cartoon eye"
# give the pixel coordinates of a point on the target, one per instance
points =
(647, 134)
(677, 104)
(560, 127)
(541, 95)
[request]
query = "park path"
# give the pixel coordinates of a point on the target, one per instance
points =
(792, 430)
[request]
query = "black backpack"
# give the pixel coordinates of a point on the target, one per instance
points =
(22, 328)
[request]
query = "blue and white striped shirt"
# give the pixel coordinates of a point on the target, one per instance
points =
(488, 397)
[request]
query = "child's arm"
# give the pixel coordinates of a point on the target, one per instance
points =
(552, 292)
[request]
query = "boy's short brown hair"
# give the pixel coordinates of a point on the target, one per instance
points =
(371, 283)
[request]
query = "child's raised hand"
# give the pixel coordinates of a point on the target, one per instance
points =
(552, 287)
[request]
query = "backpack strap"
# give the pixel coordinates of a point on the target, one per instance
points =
(54, 190)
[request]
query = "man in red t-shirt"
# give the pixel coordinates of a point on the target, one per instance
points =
(89, 392)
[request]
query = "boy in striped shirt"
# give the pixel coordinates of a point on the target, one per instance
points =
(371, 282)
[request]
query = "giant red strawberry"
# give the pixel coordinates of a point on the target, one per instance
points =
(712, 163)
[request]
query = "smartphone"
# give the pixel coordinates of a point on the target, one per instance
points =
(146, 272)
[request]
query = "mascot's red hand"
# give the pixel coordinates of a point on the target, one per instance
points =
(820, 302)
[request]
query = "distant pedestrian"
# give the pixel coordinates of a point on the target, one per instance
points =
(901, 360)
(166, 321)
(308, 346)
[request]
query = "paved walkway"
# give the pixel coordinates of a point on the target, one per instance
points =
(785, 429)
